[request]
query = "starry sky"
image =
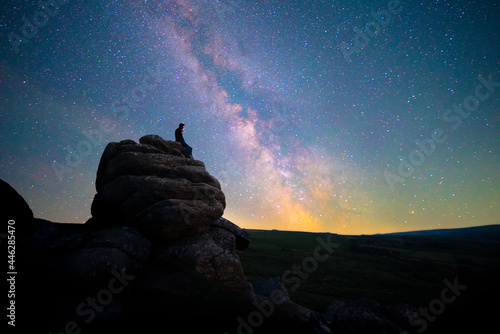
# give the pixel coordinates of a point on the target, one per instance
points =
(351, 117)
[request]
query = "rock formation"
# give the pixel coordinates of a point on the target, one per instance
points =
(156, 217)
(151, 186)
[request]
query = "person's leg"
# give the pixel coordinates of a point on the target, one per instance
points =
(189, 149)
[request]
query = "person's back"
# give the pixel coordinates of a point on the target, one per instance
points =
(178, 135)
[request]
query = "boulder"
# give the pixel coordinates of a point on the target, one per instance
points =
(273, 288)
(272, 294)
(368, 316)
(16, 210)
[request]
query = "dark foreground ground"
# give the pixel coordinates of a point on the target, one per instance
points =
(452, 280)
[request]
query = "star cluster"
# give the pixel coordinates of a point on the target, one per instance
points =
(343, 116)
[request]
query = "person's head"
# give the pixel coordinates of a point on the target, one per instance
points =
(182, 126)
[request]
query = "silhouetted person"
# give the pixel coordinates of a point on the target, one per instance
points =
(180, 139)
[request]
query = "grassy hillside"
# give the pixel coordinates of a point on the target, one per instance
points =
(387, 268)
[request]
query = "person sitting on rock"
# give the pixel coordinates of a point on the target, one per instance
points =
(180, 139)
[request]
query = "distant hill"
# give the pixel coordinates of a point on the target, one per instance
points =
(484, 232)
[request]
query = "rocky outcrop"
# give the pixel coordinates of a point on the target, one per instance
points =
(175, 203)
(156, 218)
(151, 186)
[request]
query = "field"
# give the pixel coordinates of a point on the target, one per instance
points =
(412, 269)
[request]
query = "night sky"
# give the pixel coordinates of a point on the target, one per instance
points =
(352, 117)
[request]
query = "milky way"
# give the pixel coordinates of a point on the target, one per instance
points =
(341, 116)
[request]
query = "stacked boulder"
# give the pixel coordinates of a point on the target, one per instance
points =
(151, 186)
(171, 200)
